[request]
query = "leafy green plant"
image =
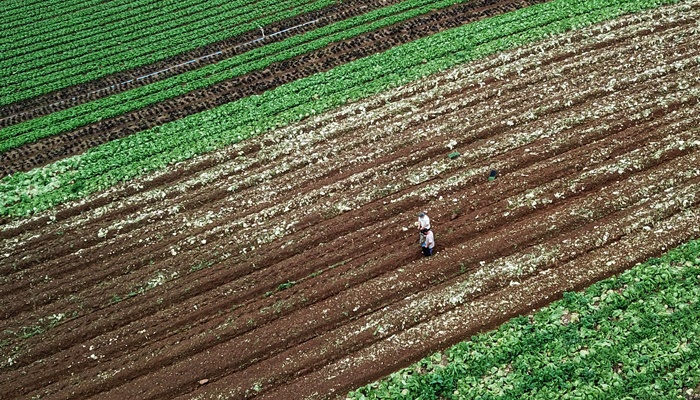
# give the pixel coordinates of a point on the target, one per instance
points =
(115, 299)
(634, 334)
(28, 331)
(286, 285)
(202, 265)
(40, 58)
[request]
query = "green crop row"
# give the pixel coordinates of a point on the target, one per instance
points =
(76, 19)
(36, 73)
(25, 14)
(257, 59)
(124, 159)
(71, 41)
(128, 25)
(631, 336)
(145, 32)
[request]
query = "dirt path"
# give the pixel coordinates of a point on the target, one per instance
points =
(289, 264)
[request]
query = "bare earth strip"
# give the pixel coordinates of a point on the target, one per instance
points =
(288, 265)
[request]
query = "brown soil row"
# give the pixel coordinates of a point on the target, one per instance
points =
(250, 346)
(182, 345)
(53, 148)
(62, 268)
(185, 345)
(318, 293)
(359, 281)
(481, 314)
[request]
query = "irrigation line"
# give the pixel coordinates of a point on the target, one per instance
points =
(140, 78)
(202, 57)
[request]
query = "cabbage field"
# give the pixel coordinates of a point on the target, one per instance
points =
(216, 200)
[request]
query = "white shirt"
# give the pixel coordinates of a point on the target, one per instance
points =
(429, 240)
(424, 222)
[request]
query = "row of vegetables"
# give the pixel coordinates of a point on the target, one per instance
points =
(24, 75)
(254, 60)
(124, 159)
(24, 14)
(78, 20)
(631, 336)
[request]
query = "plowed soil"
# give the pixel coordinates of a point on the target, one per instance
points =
(288, 266)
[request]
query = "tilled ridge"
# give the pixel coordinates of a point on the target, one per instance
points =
(303, 281)
(213, 197)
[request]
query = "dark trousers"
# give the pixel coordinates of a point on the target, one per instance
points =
(427, 251)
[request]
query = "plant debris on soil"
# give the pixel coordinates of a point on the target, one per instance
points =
(288, 266)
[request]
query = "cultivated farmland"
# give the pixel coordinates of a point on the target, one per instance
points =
(252, 236)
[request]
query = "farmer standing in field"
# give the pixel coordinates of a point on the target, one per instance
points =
(423, 225)
(428, 243)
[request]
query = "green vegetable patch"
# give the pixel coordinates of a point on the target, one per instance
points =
(634, 336)
(118, 161)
